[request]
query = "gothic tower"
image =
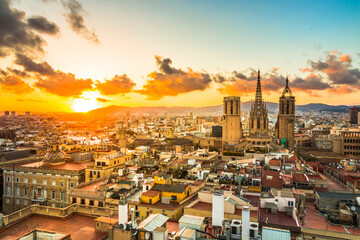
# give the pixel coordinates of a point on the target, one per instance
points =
(232, 129)
(258, 118)
(285, 126)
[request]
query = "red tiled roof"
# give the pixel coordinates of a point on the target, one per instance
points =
(299, 177)
(293, 159)
(273, 181)
(275, 162)
(151, 193)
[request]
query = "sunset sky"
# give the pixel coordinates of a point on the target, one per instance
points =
(72, 55)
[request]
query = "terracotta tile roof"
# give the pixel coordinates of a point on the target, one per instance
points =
(151, 193)
(300, 178)
(275, 162)
(271, 179)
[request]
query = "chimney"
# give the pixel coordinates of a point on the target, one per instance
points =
(217, 208)
(245, 233)
(123, 212)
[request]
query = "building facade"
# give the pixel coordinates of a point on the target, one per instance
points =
(258, 117)
(232, 129)
(285, 126)
(354, 113)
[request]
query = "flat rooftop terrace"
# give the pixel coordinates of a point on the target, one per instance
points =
(315, 220)
(78, 226)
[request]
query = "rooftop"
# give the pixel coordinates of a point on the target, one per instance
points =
(78, 226)
(315, 220)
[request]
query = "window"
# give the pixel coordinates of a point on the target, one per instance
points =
(8, 179)
(72, 184)
(17, 179)
(101, 204)
(62, 195)
(53, 182)
(25, 191)
(17, 191)
(91, 202)
(53, 194)
(174, 198)
(62, 183)
(39, 192)
(17, 201)
(7, 201)
(25, 203)
(8, 190)
(82, 201)
(34, 181)
(25, 180)
(290, 203)
(44, 182)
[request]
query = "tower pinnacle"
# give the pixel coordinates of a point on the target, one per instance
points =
(258, 96)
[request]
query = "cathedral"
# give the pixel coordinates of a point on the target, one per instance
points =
(285, 125)
(258, 126)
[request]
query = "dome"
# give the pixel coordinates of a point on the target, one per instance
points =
(54, 157)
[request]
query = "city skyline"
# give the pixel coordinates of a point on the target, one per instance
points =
(81, 55)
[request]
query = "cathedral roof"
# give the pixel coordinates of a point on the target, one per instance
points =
(54, 157)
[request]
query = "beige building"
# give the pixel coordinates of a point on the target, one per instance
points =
(232, 129)
(285, 126)
(105, 165)
(348, 143)
(40, 183)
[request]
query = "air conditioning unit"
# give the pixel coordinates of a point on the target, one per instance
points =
(236, 227)
(254, 229)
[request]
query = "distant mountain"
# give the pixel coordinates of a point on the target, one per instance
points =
(113, 111)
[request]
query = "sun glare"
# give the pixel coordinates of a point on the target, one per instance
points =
(86, 102)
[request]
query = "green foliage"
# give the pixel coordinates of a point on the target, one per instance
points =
(227, 153)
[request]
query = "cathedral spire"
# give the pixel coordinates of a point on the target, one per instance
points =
(287, 82)
(258, 96)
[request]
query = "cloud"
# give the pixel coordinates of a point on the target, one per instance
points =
(14, 84)
(43, 25)
(31, 100)
(103, 100)
(311, 82)
(29, 65)
(64, 84)
(15, 35)
(338, 69)
(170, 81)
(335, 74)
(117, 85)
(73, 14)
(18, 72)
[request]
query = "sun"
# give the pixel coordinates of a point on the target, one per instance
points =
(85, 102)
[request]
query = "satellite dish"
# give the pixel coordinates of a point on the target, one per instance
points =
(147, 235)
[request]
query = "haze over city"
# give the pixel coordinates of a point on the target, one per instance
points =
(78, 56)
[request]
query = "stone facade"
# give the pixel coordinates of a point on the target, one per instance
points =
(232, 130)
(285, 126)
(258, 118)
(24, 186)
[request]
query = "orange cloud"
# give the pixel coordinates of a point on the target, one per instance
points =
(64, 84)
(170, 81)
(117, 85)
(103, 100)
(15, 85)
(345, 58)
